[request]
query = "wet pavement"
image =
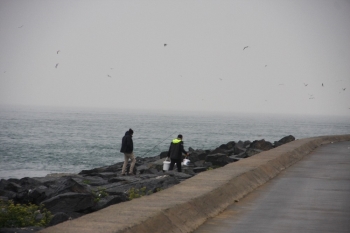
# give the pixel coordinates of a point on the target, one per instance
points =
(313, 195)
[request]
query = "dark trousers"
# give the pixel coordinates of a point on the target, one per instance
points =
(178, 164)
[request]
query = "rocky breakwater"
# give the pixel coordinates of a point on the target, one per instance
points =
(69, 196)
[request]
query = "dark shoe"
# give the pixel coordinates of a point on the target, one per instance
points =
(123, 174)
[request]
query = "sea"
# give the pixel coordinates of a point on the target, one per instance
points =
(37, 141)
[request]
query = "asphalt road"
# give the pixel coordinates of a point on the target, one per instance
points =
(313, 195)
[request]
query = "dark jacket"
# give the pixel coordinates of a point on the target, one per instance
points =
(127, 143)
(176, 149)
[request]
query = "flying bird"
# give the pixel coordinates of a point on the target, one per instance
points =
(56, 65)
(305, 84)
(108, 75)
(58, 51)
(344, 89)
(21, 26)
(245, 47)
(165, 45)
(322, 84)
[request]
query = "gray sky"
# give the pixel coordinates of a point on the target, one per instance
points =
(203, 66)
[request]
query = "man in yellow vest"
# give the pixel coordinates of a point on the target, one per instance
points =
(175, 153)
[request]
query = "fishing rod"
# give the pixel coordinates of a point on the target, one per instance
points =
(158, 144)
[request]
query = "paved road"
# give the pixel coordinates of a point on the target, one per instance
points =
(311, 196)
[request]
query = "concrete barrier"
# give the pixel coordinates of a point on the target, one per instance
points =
(184, 207)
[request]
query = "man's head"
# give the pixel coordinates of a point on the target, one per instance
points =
(131, 132)
(179, 136)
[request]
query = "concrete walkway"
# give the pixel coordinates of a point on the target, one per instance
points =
(186, 206)
(311, 196)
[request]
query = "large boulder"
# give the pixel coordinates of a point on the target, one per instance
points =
(261, 145)
(284, 140)
(58, 218)
(70, 202)
(218, 159)
(198, 155)
(109, 200)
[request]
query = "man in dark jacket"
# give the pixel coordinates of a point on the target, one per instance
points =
(175, 153)
(127, 148)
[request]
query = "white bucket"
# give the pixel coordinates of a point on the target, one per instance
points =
(186, 162)
(166, 165)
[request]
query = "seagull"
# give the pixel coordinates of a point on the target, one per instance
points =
(305, 84)
(245, 47)
(108, 75)
(21, 26)
(56, 65)
(58, 51)
(165, 45)
(322, 84)
(344, 89)
(265, 65)
(220, 79)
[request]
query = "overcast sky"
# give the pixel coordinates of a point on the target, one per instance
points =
(177, 55)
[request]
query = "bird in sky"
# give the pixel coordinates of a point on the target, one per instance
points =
(58, 51)
(305, 84)
(220, 79)
(265, 65)
(322, 84)
(56, 65)
(108, 75)
(344, 89)
(245, 47)
(21, 26)
(165, 45)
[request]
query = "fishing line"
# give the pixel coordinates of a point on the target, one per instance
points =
(158, 144)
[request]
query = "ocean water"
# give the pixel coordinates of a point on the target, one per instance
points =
(39, 141)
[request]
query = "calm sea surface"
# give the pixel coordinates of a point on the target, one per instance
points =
(40, 141)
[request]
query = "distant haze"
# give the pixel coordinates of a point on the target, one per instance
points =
(273, 56)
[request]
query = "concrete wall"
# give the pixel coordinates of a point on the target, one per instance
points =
(184, 207)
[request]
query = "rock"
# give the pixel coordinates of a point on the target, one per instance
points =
(199, 169)
(109, 200)
(70, 202)
(198, 155)
(233, 158)
(230, 145)
(284, 140)
(261, 145)
(68, 184)
(249, 152)
(37, 195)
(218, 159)
(246, 144)
(163, 154)
(239, 148)
(58, 218)
(203, 163)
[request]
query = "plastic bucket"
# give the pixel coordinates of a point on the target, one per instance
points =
(166, 165)
(186, 162)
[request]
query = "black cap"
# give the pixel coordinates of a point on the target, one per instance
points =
(179, 136)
